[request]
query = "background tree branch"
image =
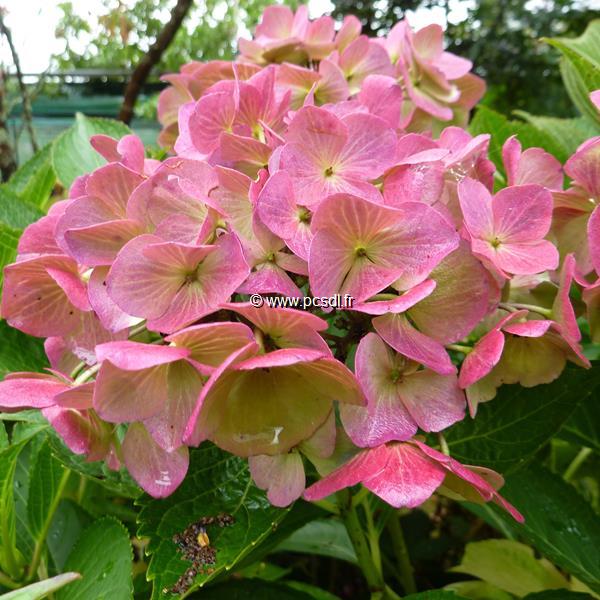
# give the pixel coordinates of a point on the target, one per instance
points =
(152, 57)
(27, 116)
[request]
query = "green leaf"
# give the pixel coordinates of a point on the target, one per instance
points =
(45, 486)
(581, 68)
(67, 525)
(251, 589)
(583, 428)
(19, 352)
(119, 482)
(9, 558)
(510, 566)
(217, 482)
(72, 153)
(567, 134)
(512, 427)
(3, 436)
(501, 128)
(558, 521)
(323, 537)
(14, 211)
(41, 589)
(9, 239)
(33, 181)
(103, 556)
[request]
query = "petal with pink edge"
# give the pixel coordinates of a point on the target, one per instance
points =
(522, 213)
(409, 477)
(367, 463)
(135, 356)
(281, 475)
(158, 472)
(211, 343)
(385, 417)
(184, 384)
(110, 315)
(476, 205)
(124, 396)
(38, 392)
(594, 239)
(34, 302)
(216, 278)
(458, 302)
(397, 331)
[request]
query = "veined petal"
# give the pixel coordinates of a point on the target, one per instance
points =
(405, 339)
(158, 472)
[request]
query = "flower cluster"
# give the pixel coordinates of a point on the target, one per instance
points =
(318, 164)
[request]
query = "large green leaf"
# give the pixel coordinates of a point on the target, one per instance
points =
(323, 537)
(217, 482)
(20, 352)
(581, 67)
(9, 555)
(47, 479)
(41, 589)
(567, 134)
(72, 153)
(558, 521)
(33, 181)
(512, 427)
(509, 566)
(67, 525)
(15, 212)
(103, 556)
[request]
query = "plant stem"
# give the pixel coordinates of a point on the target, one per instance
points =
(41, 540)
(547, 312)
(443, 444)
(401, 551)
(328, 506)
(576, 463)
(87, 374)
(7, 582)
(359, 542)
(459, 348)
(372, 535)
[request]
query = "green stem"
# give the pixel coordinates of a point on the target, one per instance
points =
(7, 582)
(460, 348)
(400, 549)
(443, 444)
(576, 463)
(359, 542)
(87, 374)
(137, 329)
(547, 312)
(41, 541)
(373, 536)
